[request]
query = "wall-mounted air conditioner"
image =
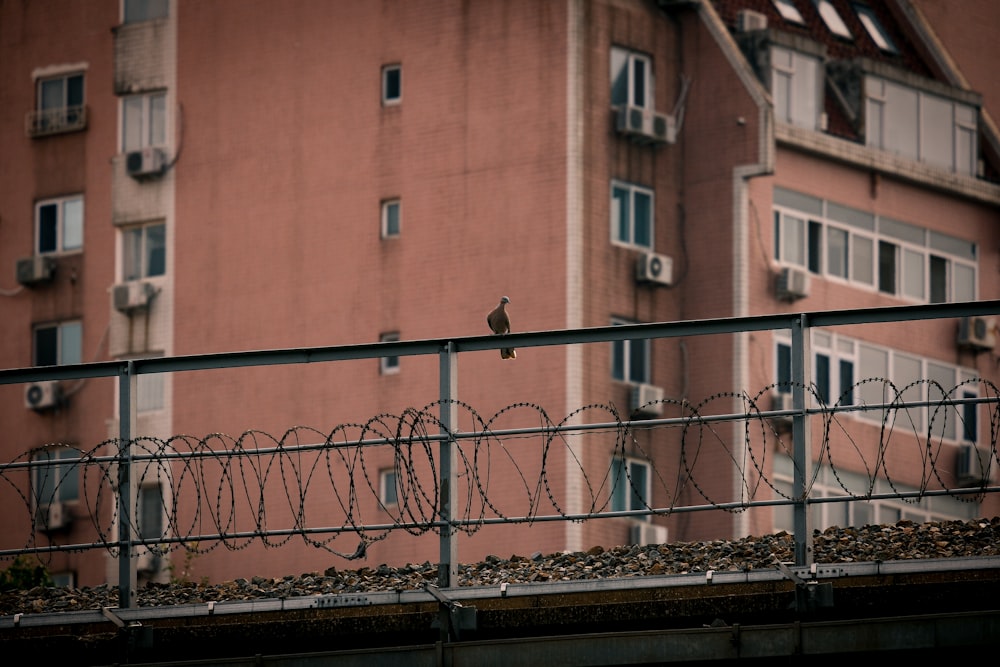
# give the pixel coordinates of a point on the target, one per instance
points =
(644, 532)
(971, 465)
(146, 560)
(53, 516)
(145, 163)
(655, 269)
(781, 401)
(791, 283)
(132, 296)
(36, 269)
(748, 20)
(646, 400)
(978, 333)
(42, 395)
(645, 125)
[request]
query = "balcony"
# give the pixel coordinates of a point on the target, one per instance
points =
(45, 122)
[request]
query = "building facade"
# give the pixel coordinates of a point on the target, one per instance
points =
(185, 178)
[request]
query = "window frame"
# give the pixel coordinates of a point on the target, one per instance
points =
(632, 191)
(388, 71)
(832, 19)
(152, 129)
(59, 476)
(389, 365)
(386, 207)
(793, 108)
(62, 355)
(135, 268)
(60, 231)
(873, 26)
(139, 11)
(626, 352)
(388, 480)
(622, 483)
(626, 60)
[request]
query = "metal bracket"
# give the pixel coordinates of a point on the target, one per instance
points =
(809, 595)
(453, 619)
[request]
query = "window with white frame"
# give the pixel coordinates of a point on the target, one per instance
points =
(630, 358)
(392, 84)
(797, 87)
(149, 392)
(388, 487)
(874, 28)
(389, 365)
(831, 17)
(921, 126)
(144, 121)
(830, 483)
(144, 251)
(151, 511)
(875, 252)
(58, 344)
(60, 104)
(135, 11)
(391, 209)
(631, 79)
(57, 479)
(59, 225)
(853, 372)
(789, 11)
(630, 484)
(632, 219)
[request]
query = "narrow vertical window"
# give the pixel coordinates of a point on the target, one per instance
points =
(58, 344)
(388, 487)
(629, 359)
(390, 218)
(631, 79)
(59, 225)
(632, 216)
(392, 84)
(887, 257)
(389, 365)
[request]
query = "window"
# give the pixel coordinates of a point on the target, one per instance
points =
(58, 481)
(631, 79)
(629, 358)
(388, 487)
(796, 86)
(832, 19)
(392, 84)
(920, 126)
(389, 365)
(149, 392)
(874, 28)
(144, 251)
(390, 218)
(59, 225)
(632, 215)
(897, 258)
(630, 485)
(144, 10)
(58, 344)
(150, 512)
(60, 106)
(144, 121)
(789, 11)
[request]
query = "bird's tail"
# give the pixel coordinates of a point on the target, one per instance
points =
(508, 353)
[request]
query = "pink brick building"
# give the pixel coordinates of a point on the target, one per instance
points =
(320, 173)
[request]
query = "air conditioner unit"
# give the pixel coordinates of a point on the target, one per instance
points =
(748, 20)
(978, 333)
(145, 163)
(653, 268)
(132, 296)
(35, 269)
(644, 532)
(791, 283)
(781, 401)
(53, 516)
(646, 400)
(971, 465)
(146, 560)
(645, 125)
(42, 395)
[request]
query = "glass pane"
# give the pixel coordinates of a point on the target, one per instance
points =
(619, 214)
(639, 485)
(156, 250)
(618, 360)
(69, 476)
(874, 122)
(45, 480)
(132, 254)
(970, 426)
(48, 216)
(822, 379)
(851, 216)
(781, 89)
(150, 512)
(832, 18)
(902, 231)
(846, 382)
(907, 377)
(940, 385)
(52, 94)
(149, 392)
(952, 245)
(643, 220)
(639, 82)
(619, 484)
(874, 28)
(805, 93)
(784, 364)
(132, 123)
(389, 496)
(887, 267)
(913, 274)
(798, 201)
(71, 343)
(638, 361)
(965, 151)
(836, 252)
(936, 121)
(392, 83)
(965, 282)
(619, 77)
(861, 264)
(875, 363)
(72, 224)
(74, 90)
(939, 279)
(392, 219)
(815, 246)
(901, 121)
(46, 346)
(158, 119)
(793, 240)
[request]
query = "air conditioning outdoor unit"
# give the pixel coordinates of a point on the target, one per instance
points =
(748, 20)
(133, 295)
(644, 532)
(978, 333)
(53, 516)
(969, 465)
(781, 401)
(42, 395)
(646, 400)
(653, 268)
(35, 269)
(146, 560)
(646, 126)
(791, 284)
(144, 163)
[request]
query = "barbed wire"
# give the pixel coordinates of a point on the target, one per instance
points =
(363, 481)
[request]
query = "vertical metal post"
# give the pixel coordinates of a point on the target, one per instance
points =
(126, 485)
(801, 447)
(448, 565)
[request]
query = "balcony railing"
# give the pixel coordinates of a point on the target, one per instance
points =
(43, 122)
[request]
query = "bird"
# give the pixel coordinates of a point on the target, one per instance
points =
(499, 322)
